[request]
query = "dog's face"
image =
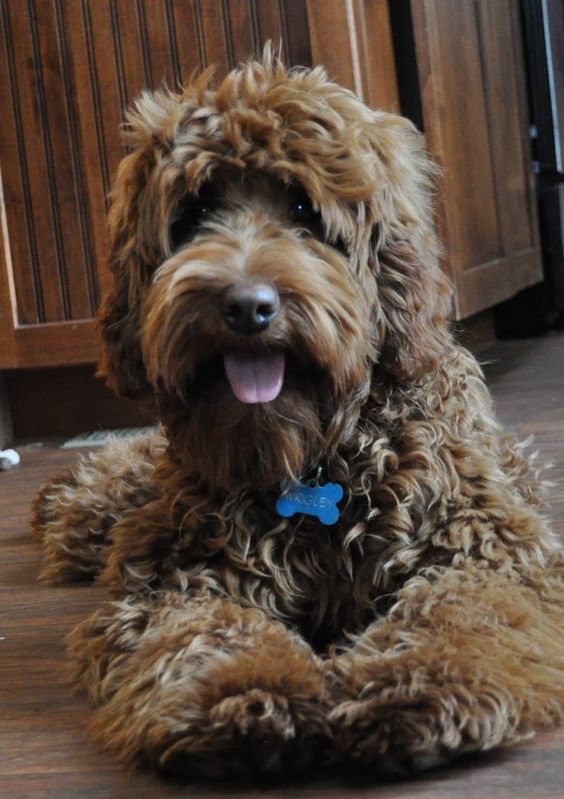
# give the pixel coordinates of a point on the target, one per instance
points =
(273, 256)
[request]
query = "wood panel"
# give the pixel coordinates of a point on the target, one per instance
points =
(475, 117)
(23, 168)
(353, 40)
(56, 343)
(504, 77)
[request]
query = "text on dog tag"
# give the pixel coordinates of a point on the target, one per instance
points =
(318, 500)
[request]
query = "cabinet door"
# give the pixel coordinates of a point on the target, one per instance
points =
(472, 86)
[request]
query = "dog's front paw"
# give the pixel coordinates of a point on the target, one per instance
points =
(256, 732)
(255, 715)
(396, 725)
(390, 738)
(199, 686)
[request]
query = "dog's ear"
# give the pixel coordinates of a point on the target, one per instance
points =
(414, 299)
(134, 240)
(119, 314)
(413, 293)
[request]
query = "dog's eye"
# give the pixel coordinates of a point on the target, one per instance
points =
(191, 213)
(302, 210)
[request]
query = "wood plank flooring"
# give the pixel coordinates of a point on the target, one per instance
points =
(45, 751)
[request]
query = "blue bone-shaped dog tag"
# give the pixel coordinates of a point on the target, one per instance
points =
(320, 501)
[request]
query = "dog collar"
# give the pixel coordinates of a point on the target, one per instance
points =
(312, 499)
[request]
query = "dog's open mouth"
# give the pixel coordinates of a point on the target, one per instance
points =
(251, 377)
(255, 378)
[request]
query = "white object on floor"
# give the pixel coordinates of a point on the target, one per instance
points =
(100, 437)
(8, 458)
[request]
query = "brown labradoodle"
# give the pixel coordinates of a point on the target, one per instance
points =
(277, 293)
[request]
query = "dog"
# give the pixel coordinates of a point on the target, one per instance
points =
(330, 552)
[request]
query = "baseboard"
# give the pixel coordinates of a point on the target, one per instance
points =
(66, 401)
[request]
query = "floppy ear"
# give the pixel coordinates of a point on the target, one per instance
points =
(415, 298)
(119, 314)
(134, 244)
(136, 214)
(414, 294)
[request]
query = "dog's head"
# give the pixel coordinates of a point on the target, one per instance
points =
(273, 254)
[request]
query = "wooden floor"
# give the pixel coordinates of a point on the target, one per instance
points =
(44, 747)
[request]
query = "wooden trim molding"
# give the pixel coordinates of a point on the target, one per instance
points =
(497, 280)
(54, 344)
(7, 342)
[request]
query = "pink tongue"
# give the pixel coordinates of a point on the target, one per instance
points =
(255, 378)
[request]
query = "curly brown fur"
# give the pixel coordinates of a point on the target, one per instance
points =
(76, 510)
(180, 677)
(434, 604)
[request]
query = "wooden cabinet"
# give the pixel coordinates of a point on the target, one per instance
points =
(68, 69)
(472, 87)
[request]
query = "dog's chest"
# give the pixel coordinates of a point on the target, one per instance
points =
(317, 576)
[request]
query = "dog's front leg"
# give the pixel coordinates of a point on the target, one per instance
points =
(466, 659)
(197, 684)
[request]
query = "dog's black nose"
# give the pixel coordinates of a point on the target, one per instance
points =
(250, 308)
